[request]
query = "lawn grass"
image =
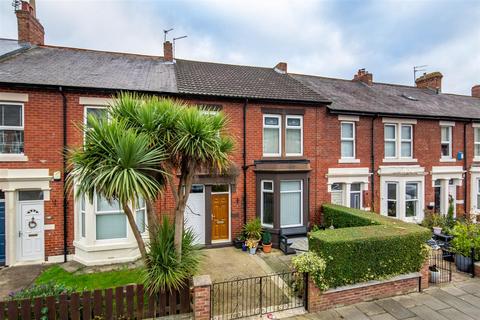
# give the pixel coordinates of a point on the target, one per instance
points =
(90, 281)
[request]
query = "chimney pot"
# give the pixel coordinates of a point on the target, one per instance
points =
(431, 80)
(167, 51)
(364, 76)
(29, 28)
(281, 67)
(476, 91)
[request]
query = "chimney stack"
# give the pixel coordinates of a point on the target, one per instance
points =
(431, 80)
(476, 91)
(281, 67)
(29, 28)
(167, 51)
(364, 76)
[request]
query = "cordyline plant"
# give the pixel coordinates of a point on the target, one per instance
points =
(147, 144)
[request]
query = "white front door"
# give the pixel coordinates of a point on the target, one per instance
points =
(195, 212)
(30, 231)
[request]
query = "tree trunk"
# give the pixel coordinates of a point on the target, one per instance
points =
(136, 233)
(152, 218)
(185, 184)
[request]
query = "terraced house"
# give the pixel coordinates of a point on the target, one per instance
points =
(302, 140)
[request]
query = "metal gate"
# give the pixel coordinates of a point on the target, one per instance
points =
(258, 295)
(440, 267)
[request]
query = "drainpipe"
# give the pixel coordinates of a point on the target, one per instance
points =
(64, 154)
(465, 193)
(245, 167)
(372, 157)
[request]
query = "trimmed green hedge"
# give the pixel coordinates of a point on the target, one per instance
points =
(367, 246)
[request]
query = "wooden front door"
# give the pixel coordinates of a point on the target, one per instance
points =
(220, 223)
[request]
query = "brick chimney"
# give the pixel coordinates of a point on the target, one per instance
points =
(281, 67)
(29, 28)
(167, 51)
(364, 76)
(430, 81)
(476, 91)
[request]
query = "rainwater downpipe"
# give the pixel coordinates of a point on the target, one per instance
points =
(64, 173)
(245, 167)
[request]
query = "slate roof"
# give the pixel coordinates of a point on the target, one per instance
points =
(216, 79)
(9, 46)
(88, 68)
(381, 98)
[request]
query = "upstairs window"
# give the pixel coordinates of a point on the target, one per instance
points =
(398, 140)
(293, 136)
(477, 142)
(347, 140)
(446, 142)
(271, 135)
(11, 128)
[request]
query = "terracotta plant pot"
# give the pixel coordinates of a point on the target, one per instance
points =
(267, 248)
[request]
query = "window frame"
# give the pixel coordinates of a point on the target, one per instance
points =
(300, 117)
(301, 202)
(394, 140)
(359, 192)
(402, 140)
(83, 217)
(416, 200)
(268, 126)
(340, 192)
(97, 213)
(85, 116)
(476, 141)
(449, 142)
(352, 139)
(262, 190)
(396, 200)
(15, 128)
(399, 140)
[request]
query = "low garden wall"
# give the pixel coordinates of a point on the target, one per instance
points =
(365, 247)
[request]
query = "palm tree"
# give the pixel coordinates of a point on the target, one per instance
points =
(118, 163)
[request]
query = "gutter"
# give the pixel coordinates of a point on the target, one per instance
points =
(64, 179)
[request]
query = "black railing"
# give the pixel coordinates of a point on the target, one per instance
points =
(258, 295)
(440, 267)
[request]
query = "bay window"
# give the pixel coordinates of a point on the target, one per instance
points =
(347, 140)
(411, 199)
(140, 215)
(356, 196)
(82, 216)
(11, 128)
(446, 141)
(111, 222)
(337, 193)
(392, 195)
(290, 203)
(267, 203)
(294, 136)
(478, 193)
(271, 135)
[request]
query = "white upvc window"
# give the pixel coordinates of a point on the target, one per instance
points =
(477, 142)
(411, 199)
(11, 128)
(398, 141)
(446, 141)
(356, 195)
(392, 199)
(337, 193)
(267, 203)
(98, 112)
(478, 193)
(140, 215)
(111, 222)
(272, 138)
(293, 135)
(291, 207)
(347, 137)
(83, 213)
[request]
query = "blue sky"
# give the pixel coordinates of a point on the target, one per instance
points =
(328, 38)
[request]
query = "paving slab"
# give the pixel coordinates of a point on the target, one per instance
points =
(431, 302)
(395, 308)
(473, 300)
(406, 301)
(15, 278)
(454, 291)
(469, 287)
(457, 303)
(351, 313)
(328, 315)
(425, 313)
(383, 316)
(451, 313)
(370, 308)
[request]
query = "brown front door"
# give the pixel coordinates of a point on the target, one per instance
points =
(220, 223)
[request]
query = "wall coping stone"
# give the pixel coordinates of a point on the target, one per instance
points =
(374, 282)
(202, 281)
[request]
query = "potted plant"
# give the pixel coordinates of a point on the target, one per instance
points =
(253, 229)
(434, 274)
(437, 223)
(252, 245)
(466, 237)
(239, 241)
(267, 242)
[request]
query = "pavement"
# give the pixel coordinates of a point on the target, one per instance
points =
(457, 300)
(15, 278)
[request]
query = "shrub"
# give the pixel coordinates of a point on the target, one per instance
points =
(253, 229)
(41, 290)
(312, 263)
(466, 236)
(366, 246)
(266, 237)
(163, 271)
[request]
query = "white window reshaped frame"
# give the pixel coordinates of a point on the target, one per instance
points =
(407, 140)
(277, 127)
(18, 128)
(86, 112)
(476, 134)
(300, 191)
(263, 191)
(399, 140)
(446, 140)
(346, 139)
(389, 140)
(293, 128)
(106, 213)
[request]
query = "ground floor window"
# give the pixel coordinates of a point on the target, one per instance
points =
(347, 194)
(140, 213)
(355, 195)
(411, 199)
(267, 203)
(111, 222)
(290, 203)
(478, 193)
(403, 199)
(337, 193)
(392, 195)
(82, 217)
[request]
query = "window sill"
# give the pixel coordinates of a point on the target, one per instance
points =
(348, 160)
(393, 160)
(476, 159)
(13, 157)
(448, 160)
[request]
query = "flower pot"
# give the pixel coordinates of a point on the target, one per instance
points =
(267, 248)
(463, 263)
(437, 230)
(253, 250)
(244, 247)
(434, 276)
(238, 243)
